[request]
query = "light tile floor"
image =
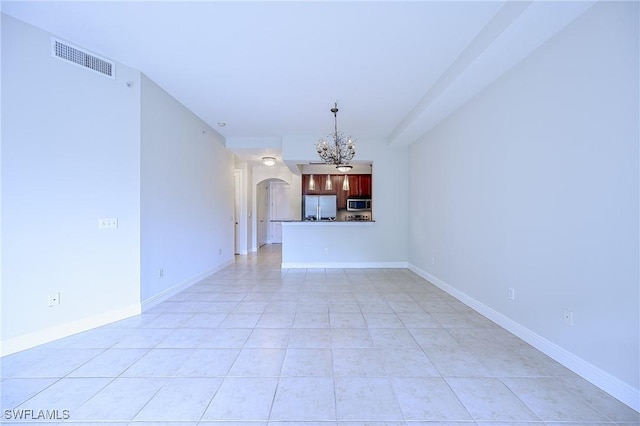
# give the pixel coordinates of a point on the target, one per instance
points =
(257, 345)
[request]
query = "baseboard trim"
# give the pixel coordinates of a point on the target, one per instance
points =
(171, 291)
(343, 265)
(600, 378)
(49, 334)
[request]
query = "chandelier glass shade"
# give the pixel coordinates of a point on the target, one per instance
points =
(337, 149)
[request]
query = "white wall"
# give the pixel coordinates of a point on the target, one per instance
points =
(187, 199)
(78, 146)
(534, 185)
(70, 155)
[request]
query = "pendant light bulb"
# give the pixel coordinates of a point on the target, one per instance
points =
(328, 185)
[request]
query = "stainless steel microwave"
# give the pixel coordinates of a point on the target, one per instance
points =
(358, 204)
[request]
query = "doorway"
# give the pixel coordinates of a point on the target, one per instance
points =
(278, 209)
(262, 212)
(237, 178)
(273, 203)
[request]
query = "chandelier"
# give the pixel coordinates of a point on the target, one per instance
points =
(338, 150)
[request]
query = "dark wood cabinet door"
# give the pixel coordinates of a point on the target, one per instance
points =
(306, 189)
(354, 185)
(359, 186)
(323, 188)
(364, 186)
(337, 183)
(342, 194)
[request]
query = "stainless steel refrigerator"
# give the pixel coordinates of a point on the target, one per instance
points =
(320, 207)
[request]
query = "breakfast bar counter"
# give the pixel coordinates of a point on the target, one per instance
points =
(331, 244)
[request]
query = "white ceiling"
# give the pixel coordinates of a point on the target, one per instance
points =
(269, 69)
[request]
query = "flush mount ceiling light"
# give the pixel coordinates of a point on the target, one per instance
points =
(338, 150)
(268, 161)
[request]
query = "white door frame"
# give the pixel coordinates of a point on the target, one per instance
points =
(240, 218)
(262, 213)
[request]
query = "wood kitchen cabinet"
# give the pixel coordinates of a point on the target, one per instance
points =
(354, 186)
(305, 185)
(359, 186)
(320, 185)
(318, 188)
(336, 183)
(342, 194)
(364, 185)
(333, 190)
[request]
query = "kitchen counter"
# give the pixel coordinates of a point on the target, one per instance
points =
(345, 244)
(326, 222)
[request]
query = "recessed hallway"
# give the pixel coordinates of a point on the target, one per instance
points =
(257, 345)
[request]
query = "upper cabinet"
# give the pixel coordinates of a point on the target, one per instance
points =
(342, 194)
(359, 186)
(319, 186)
(309, 188)
(365, 184)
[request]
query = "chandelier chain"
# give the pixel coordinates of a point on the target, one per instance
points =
(341, 151)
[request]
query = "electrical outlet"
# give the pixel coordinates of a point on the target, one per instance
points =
(568, 317)
(512, 293)
(54, 299)
(161, 273)
(219, 252)
(108, 223)
(433, 260)
(326, 250)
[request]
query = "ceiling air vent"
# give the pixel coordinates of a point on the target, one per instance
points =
(80, 57)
